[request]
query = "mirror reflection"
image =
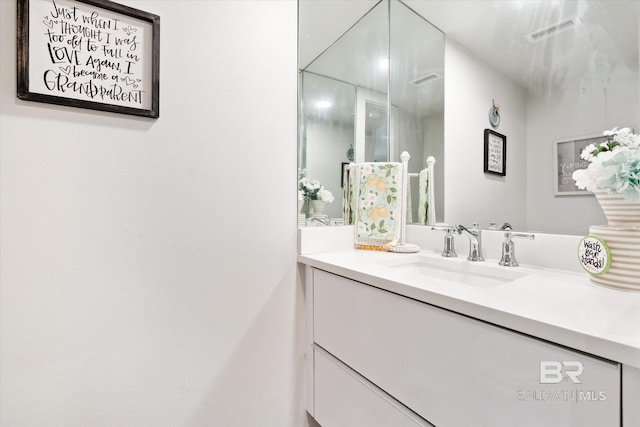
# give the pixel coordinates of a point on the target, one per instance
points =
(559, 71)
(392, 60)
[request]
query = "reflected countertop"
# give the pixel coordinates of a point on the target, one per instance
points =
(554, 305)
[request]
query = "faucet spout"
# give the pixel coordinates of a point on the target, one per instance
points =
(313, 218)
(475, 241)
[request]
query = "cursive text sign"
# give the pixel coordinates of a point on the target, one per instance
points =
(594, 255)
(89, 53)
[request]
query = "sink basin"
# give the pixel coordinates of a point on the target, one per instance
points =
(457, 271)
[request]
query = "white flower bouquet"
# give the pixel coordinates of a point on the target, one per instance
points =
(614, 165)
(311, 189)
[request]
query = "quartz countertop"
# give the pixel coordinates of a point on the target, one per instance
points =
(555, 305)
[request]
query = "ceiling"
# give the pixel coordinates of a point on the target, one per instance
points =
(606, 36)
(494, 30)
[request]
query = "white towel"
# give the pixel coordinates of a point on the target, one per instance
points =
(423, 188)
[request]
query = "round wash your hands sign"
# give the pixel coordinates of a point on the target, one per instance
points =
(594, 255)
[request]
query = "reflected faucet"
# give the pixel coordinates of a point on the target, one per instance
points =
(311, 219)
(475, 241)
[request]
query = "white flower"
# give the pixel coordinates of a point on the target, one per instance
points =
(325, 195)
(586, 152)
(370, 199)
(614, 166)
(366, 170)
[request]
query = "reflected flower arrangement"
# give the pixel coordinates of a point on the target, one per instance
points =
(614, 165)
(311, 189)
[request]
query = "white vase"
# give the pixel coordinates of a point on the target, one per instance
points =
(317, 207)
(619, 211)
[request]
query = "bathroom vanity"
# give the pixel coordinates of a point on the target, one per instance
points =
(419, 340)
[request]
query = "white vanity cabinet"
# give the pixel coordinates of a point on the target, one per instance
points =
(376, 354)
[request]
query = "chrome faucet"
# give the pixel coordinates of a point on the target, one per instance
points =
(311, 219)
(449, 250)
(508, 248)
(475, 241)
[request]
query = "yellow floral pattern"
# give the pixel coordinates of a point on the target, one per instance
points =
(377, 201)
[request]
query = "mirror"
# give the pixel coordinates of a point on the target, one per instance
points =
(559, 70)
(551, 86)
(376, 91)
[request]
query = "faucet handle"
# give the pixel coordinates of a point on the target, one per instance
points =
(449, 250)
(508, 258)
(508, 235)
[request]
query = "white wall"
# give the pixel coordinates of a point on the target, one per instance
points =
(148, 273)
(585, 109)
(471, 194)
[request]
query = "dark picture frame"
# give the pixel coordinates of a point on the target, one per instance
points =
(93, 54)
(495, 153)
(343, 169)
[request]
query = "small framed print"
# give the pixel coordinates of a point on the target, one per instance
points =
(495, 153)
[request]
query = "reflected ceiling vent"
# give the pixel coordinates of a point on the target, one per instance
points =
(551, 30)
(426, 79)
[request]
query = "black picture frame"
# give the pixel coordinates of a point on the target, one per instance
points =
(93, 54)
(343, 170)
(495, 153)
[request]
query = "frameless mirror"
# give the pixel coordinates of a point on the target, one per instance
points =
(371, 93)
(416, 96)
(559, 70)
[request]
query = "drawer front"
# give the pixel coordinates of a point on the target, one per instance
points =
(344, 398)
(457, 371)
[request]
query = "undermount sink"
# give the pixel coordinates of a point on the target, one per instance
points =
(457, 271)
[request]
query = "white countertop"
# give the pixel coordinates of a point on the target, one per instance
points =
(558, 306)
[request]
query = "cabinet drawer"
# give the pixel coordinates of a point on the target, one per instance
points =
(456, 371)
(344, 398)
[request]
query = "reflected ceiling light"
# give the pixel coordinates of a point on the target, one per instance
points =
(323, 104)
(384, 63)
(551, 30)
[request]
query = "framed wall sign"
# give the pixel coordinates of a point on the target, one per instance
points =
(567, 160)
(89, 53)
(495, 152)
(345, 165)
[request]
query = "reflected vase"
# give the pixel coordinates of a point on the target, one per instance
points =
(318, 207)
